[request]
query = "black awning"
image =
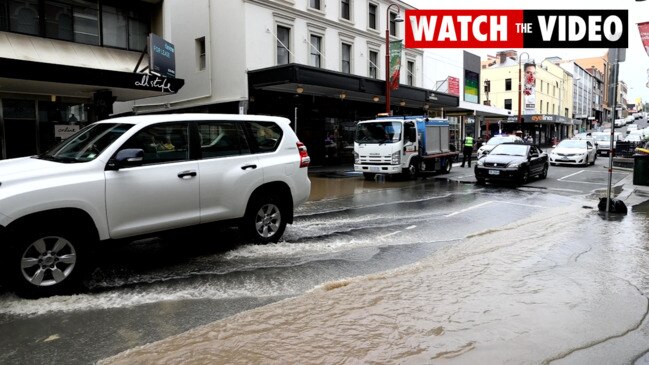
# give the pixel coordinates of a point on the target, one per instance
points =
(47, 78)
(308, 80)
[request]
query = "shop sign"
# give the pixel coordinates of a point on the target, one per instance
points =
(162, 56)
(64, 131)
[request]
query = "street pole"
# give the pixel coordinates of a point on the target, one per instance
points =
(387, 54)
(612, 102)
(520, 90)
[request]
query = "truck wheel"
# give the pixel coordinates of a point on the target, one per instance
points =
(448, 167)
(265, 219)
(46, 262)
(368, 176)
(412, 171)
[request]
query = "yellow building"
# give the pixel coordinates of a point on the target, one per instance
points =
(552, 97)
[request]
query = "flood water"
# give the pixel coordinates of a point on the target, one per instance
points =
(563, 285)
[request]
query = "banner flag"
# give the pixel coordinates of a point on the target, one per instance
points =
(644, 35)
(395, 63)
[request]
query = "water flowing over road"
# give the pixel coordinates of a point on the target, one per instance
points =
(564, 285)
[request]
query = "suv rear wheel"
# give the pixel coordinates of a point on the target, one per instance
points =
(265, 219)
(45, 262)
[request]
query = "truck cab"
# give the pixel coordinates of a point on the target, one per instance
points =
(402, 146)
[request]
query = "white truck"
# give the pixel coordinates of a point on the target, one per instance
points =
(403, 146)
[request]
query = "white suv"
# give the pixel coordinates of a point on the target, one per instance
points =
(131, 177)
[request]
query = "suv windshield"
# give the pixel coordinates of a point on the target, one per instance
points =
(86, 144)
(378, 132)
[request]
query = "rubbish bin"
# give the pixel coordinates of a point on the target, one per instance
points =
(640, 169)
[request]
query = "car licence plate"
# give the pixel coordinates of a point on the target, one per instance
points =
(494, 172)
(375, 169)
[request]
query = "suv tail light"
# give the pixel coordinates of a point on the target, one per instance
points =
(304, 155)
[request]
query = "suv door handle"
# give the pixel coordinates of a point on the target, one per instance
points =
(246, 167)
(186, 174)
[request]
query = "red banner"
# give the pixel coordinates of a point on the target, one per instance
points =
(453, 85)
(644, 35)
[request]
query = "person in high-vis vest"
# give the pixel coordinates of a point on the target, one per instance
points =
(467, 150)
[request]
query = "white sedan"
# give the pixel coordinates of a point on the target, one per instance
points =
(574, 152)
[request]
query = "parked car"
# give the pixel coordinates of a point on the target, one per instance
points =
(140, 176)
(496, 140)
(635, 138)
(620, 122)
(574, 152)
(603, 140)
(512, 162)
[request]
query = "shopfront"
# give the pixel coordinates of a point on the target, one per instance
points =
(324, 106)
(42, 103)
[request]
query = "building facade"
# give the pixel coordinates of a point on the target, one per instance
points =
(551, 116)
(63, 63)
(319, 63)
(587, 95)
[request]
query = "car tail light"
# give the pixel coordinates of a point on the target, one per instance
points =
(304, 155)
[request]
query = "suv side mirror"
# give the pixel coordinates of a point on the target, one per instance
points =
(128, 157)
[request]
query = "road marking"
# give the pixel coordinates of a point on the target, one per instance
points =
(578, 172)
(469, 208)
(411, 227)
(390, 234)
(489, 202)
(566, 190)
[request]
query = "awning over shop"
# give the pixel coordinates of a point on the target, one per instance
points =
(307, 80)
(28, 77)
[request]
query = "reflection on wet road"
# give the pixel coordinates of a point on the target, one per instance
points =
(491, 257)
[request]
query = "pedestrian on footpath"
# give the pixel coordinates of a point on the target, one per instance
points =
(467, 150)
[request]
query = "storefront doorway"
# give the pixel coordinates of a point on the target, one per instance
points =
(19, 124)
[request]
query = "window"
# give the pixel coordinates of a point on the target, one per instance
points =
(374, 68)
(508, 104)
(410, 79)
(221, 138)
(541, 107)
(393, 24)
(165, 142)
(24, 17)
(283, 35)
(200, 53)
(315, 47)
(267, 136)
(58, 21)
(114, 26)
(371, 16)
(508, 84)
(126, 26)
(346, 58)
(345, 10)
(315, 4)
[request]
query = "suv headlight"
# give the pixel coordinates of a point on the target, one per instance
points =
(357, 158)
(396, 158)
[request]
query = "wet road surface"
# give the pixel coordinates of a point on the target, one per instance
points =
(147, 292)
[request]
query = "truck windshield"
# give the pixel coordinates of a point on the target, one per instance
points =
(378, 132)
(86, 144)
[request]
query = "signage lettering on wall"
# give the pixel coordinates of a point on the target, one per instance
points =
(149, 81)
(64, 131)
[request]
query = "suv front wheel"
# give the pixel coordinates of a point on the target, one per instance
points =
(45, 262)
(265, 220)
